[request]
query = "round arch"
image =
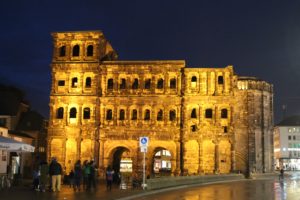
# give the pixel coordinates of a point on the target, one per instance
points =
(161, 164)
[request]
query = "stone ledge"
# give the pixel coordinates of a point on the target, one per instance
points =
(166, 182)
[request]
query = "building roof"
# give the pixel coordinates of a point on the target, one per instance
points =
(290, 121)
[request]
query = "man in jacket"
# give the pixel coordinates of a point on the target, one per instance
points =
(55, 172)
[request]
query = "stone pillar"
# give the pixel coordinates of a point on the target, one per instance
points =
(233, 161)
(216, 158)
(178, 157)
(101, 153)
(78, 157)
(200, 159)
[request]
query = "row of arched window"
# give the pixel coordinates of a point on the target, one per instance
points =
(76, 51)
(73, 113)
(136, 85)
(209, 113)
(74, 82)
(194, 81)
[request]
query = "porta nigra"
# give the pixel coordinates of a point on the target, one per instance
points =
(198, 120)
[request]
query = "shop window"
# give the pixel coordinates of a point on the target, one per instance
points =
(172, 115)
(134, 114)
(110, 84)
(194, 113)
(76, 50)
(60, 113)
(73, 113)
(123, 84)
(148, 84)
(147, 115)
(173, 83)
(74, 82)
(88, 82)
(61, 83)
(86, 113)
(208, 113)
(220, 80)
(122, 114)
(224, 113)
(62, 51)
(160, 115)
(135, 84)
(160, 83)
(109, 114)
(90, 50)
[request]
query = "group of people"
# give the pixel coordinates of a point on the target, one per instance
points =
(85, 173)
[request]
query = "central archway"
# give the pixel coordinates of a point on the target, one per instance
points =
(121, 163)
(161, 162)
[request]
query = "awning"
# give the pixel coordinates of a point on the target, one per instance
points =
(9, 144)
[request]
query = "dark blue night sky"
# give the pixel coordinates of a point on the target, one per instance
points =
(259, 38)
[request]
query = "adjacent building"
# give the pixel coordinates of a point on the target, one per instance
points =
(198, 120)
(287, 143)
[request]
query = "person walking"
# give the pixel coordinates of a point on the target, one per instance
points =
(109, 178)
(44, 172)
(77, 175)
(55, 172)
(86, 173)
(92, 176)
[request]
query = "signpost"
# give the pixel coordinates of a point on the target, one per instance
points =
(143, 145)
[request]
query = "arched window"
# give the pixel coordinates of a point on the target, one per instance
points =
(194, 113)
(194, 79)
(193, 128)
(160, 115)
(220, 80)
(208, 113)
(160, 83)
(88, 82)
(224, 113)
(62, 51)
(74, 82)
(148, 84)
(173, 83)
(110, 84)
(73, 113)
(135, 84)
(90, 50)
(123, 84)
(172, 115)
(109, 114)
(75, 51)
(86, 113)
(147, 114)
(60, 113)
(122, 114)
(194, 82)
(134, 114)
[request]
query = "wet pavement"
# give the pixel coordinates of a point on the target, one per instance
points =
(266, 189)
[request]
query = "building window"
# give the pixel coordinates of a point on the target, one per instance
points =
(75, 51)
(225, 129)
(74, 82)
(109, 114)
(224, 113)
(208, 113)
(73, 113)
(193, 128)
(88, 82)
(160, 115)
(173, 83)
(147, 115)
(61, 83)
(2, 122)
(160, 83)
(90, 50)
(172, 115)
(60, 113)
(122, 114)
(86, 113)
(110, 84)
(62, 51)
(194, 82)
(294, 137)
(134, 114)
(135, 84)
(148, 84)
(289, 137)
(220, 80)
(123, 84)
(194, 113)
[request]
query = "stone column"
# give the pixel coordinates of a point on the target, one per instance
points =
(101, 153)
(200, 159)
(216, 157)
(233, 162)
(178, 157)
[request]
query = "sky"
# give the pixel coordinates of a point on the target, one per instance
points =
(259, 38)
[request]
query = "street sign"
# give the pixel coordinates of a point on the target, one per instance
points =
(144, 149)
(144, 141)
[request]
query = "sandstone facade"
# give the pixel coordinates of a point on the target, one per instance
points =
(209, 119)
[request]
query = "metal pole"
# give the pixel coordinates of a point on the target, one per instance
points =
(144, 167)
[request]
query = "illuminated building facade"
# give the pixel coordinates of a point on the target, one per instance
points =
(287, 143)
(198, 120)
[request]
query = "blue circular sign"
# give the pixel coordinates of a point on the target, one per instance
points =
(144, 140)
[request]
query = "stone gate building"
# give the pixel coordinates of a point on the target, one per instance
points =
(198, 120)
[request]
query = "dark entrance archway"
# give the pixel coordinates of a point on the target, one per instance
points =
(122, 162)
